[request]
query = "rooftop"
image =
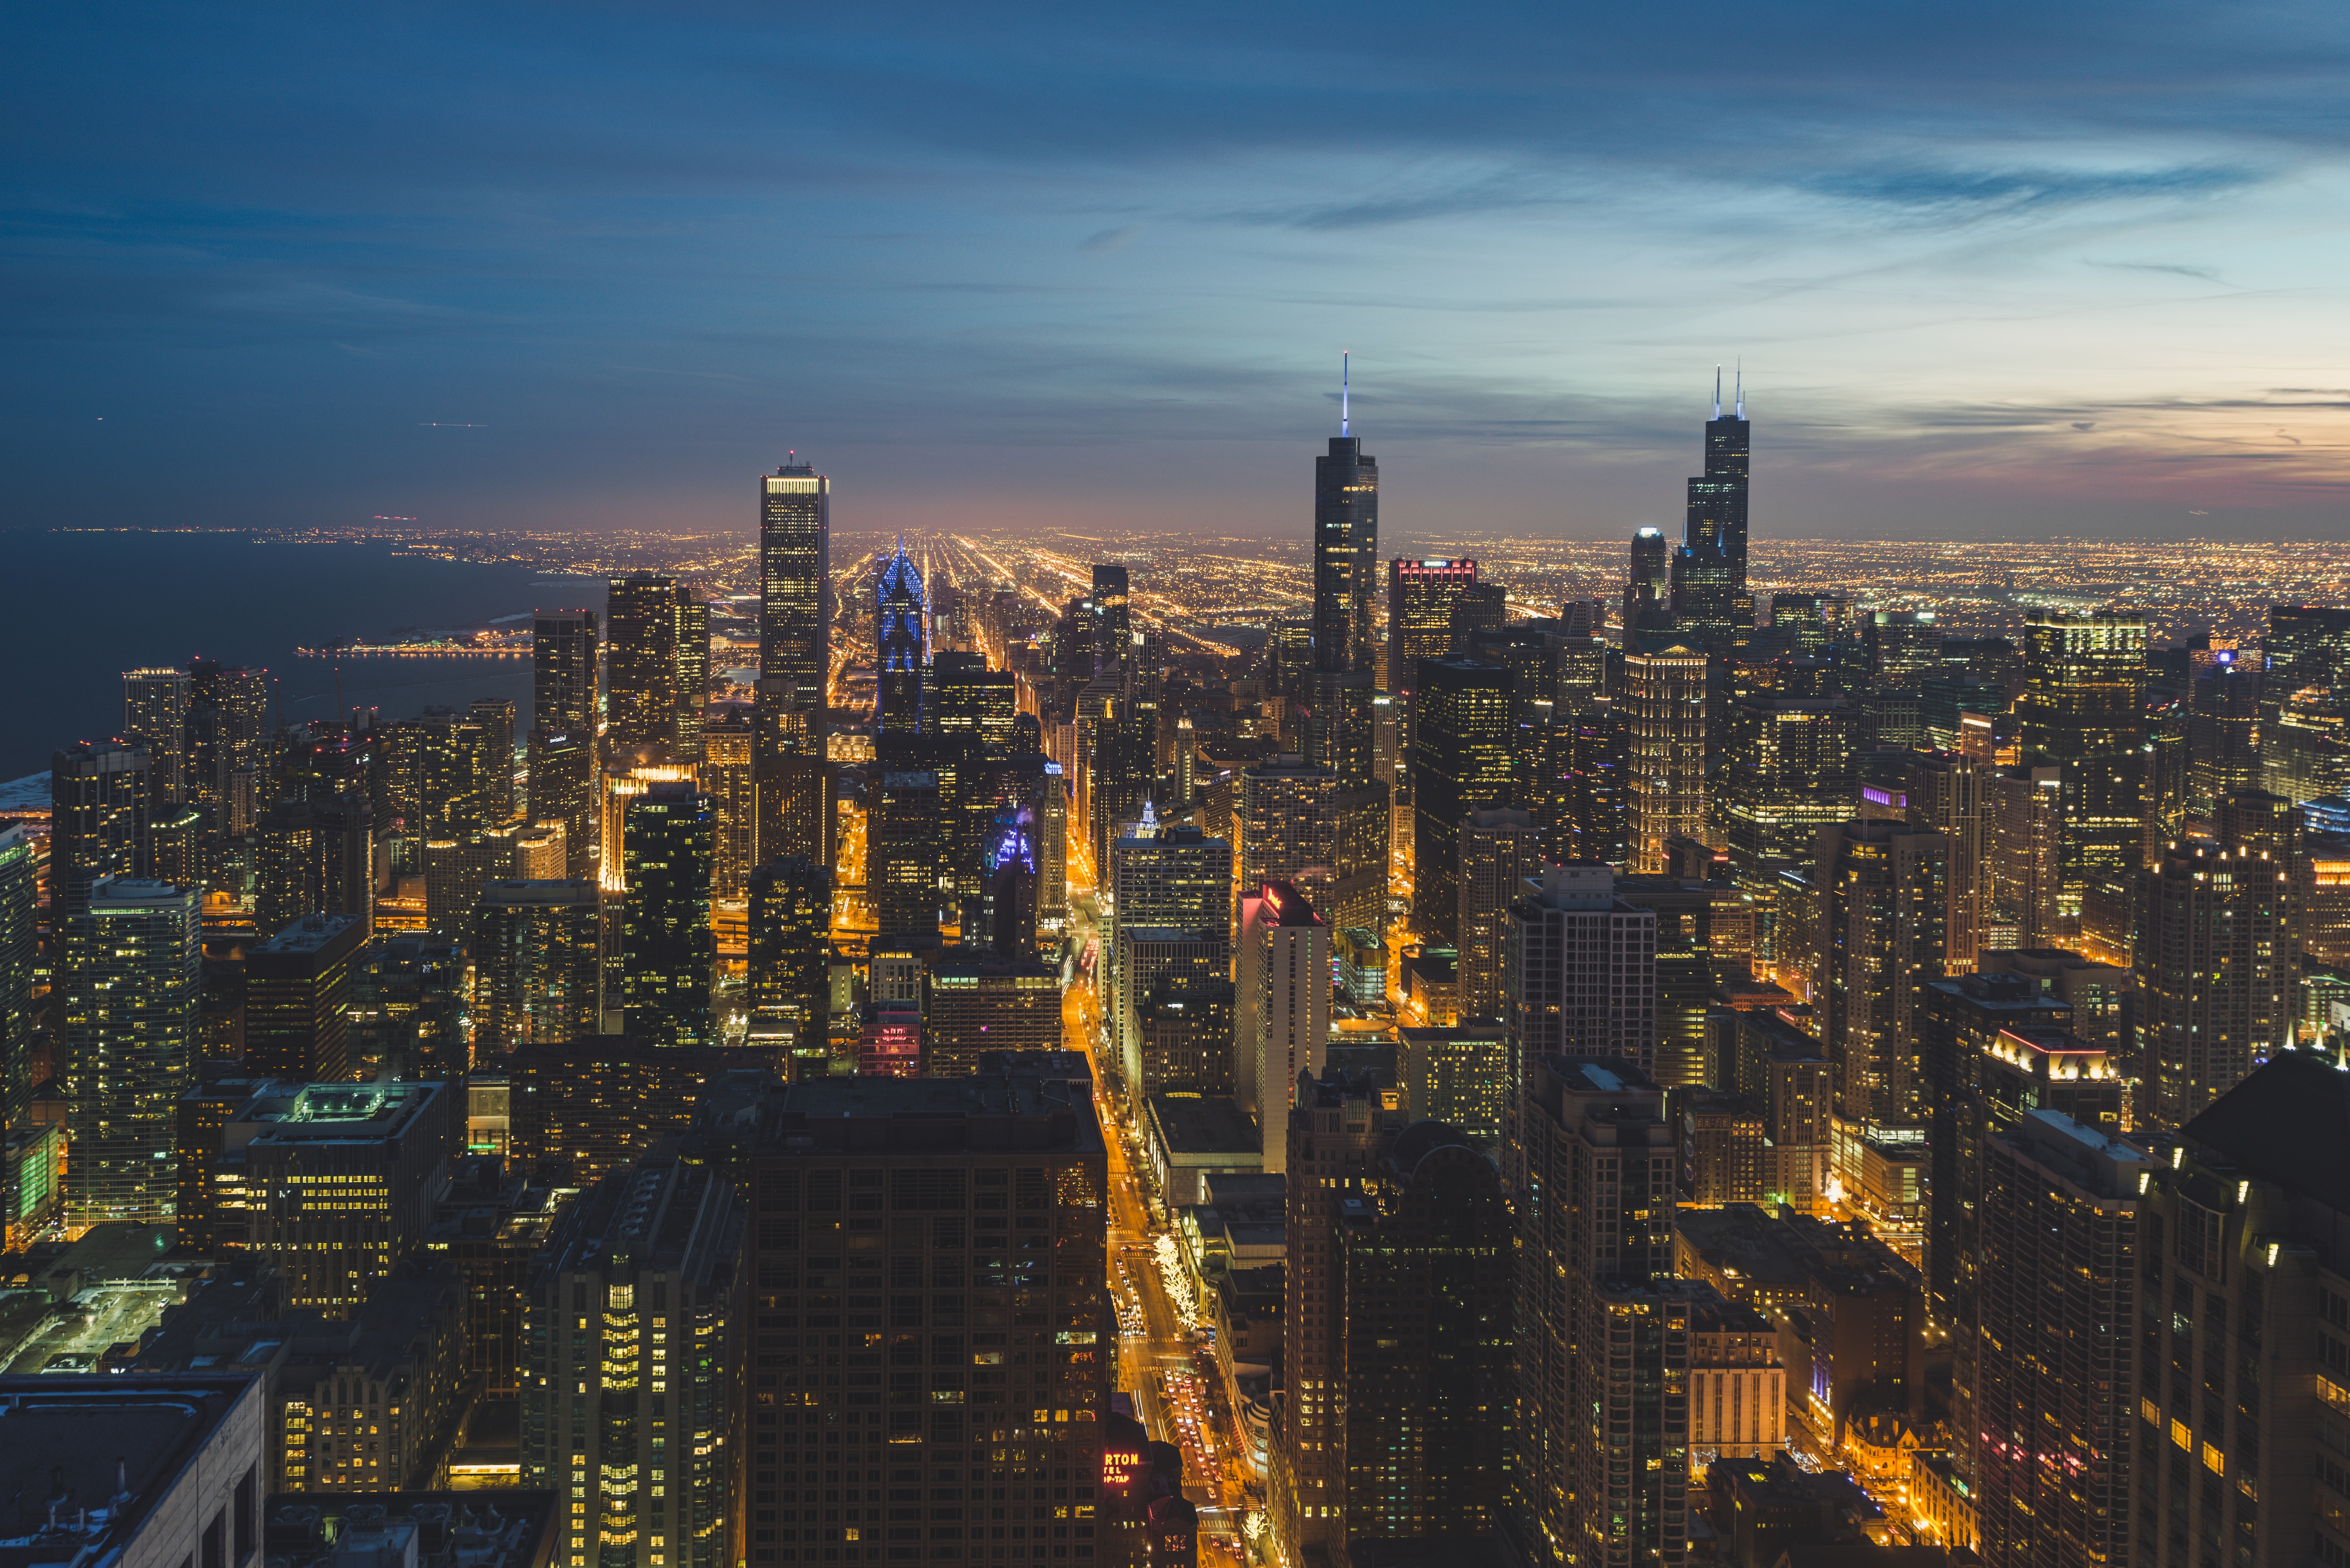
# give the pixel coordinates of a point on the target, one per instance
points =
(84, 1459)
(1199, 1124)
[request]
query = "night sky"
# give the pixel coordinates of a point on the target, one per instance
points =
(2005, 269)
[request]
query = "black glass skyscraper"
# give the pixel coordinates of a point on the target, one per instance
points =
(1717, 498)
(795, 588)
(1114, 643)
(898, 612)
(1345, 554)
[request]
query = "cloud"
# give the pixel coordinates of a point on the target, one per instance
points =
(1107, 240)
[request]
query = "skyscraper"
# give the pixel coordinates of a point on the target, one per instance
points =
(1788, 773)
(1281, 1007)
(563, 790)
(1665, 708)
(2219, 973)
(534, 946)
(964, 1166)
(1883, 890)
(99, 804)
(1500, 849)
(1461, 761)
(640, 668)
(1345, 554)
(791, 926)
(795, 593)
(155, 715)
(1170, 879)
(19, 952)
(563, 660)
(903, 851)
(132, 975)
(1114, 622)
(297, 999)
(1717, 498)
(1647, 585)
(1578, 979)
(729, 777)
(2084, 711)
(640, 1286)
(665, 930)
(1424, 600)
(901, 645)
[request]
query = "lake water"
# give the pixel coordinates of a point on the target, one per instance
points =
(81, 608)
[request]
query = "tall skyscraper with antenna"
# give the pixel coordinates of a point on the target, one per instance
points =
(1346, 547)
(1709, 571)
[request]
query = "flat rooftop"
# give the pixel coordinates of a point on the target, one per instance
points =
(1204, 1125)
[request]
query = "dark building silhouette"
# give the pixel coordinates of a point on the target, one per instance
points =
(297, 999)
(790, 947)
(665, 938)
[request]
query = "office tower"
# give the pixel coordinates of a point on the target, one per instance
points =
(1685, 907)
(2083, 710)
(1408, 1335)
(155, 717)
(901, 645)
(2218, 975)
(1185, 1027)
(175, 846)
(666, 950)
(538, 853)
(1603, 1332)
(336, 1183)
(459, 767)
(563, 790)
(1165, 879)
(1459, 1075)
(228, 728)
(1113, 641)
(1461, 761)
(966, 1166)
(1345, 554)
(1960, 1023)
(1336, 1128)
(563, 663)
(19, 955)
(1578, 979)
(1288, 669)
(1006, 906)
(692, 689)
(904, 847)
(1788, 773)
(1288, 823)
(130, 972)
(729, 777)
(297, 999)
(2304, 746)
(455, 872)
(969, 700)
(581, 1111)
(790, 950)
(1594, 824)
(1664, 710)
(1706, 598)
(494, 718)
(2307, 645)
(534, 944)
(794, 786)
(1500, 849)
(1948, 794)
(640, 668)
(99, 804)
(1884, 894)
(1424, 599)
(1648, 586)
(2052, 1438)
(315, 858)
(2223, 730)
(2024, 858)
(977, 1004)
(795, 596)
(1717, 498)
(640, 1288)
(1281, 1007)
(1902, 647)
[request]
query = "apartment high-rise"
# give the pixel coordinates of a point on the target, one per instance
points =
(666, 946)
(791, 926)
(1461, 761)
(297, 999)
(1603, 1331)
(1281, 1007)
(20, 954)
(535, 946)
(640, 668)
(1005, 1348)
(1788, 773)
(1578, 980)
(131, 975)
(1882, 891)
(900, 644)
(1500, 848)
(100, 799)
(1167, 879)
(2219, 975)
(635, 1327)
(729, 776)
(1949, 793)
(155, 716)
(1345, 554)
(564, 661)
(563, 790)
(796, 597)
(2083, 710)
(1664, 705)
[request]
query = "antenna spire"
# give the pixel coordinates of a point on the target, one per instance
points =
(1739, 384)
(1717, 391)
(1346, 386)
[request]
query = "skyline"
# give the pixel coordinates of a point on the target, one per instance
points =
(2005, 275)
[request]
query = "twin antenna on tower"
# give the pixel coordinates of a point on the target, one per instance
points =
(1738, 387)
